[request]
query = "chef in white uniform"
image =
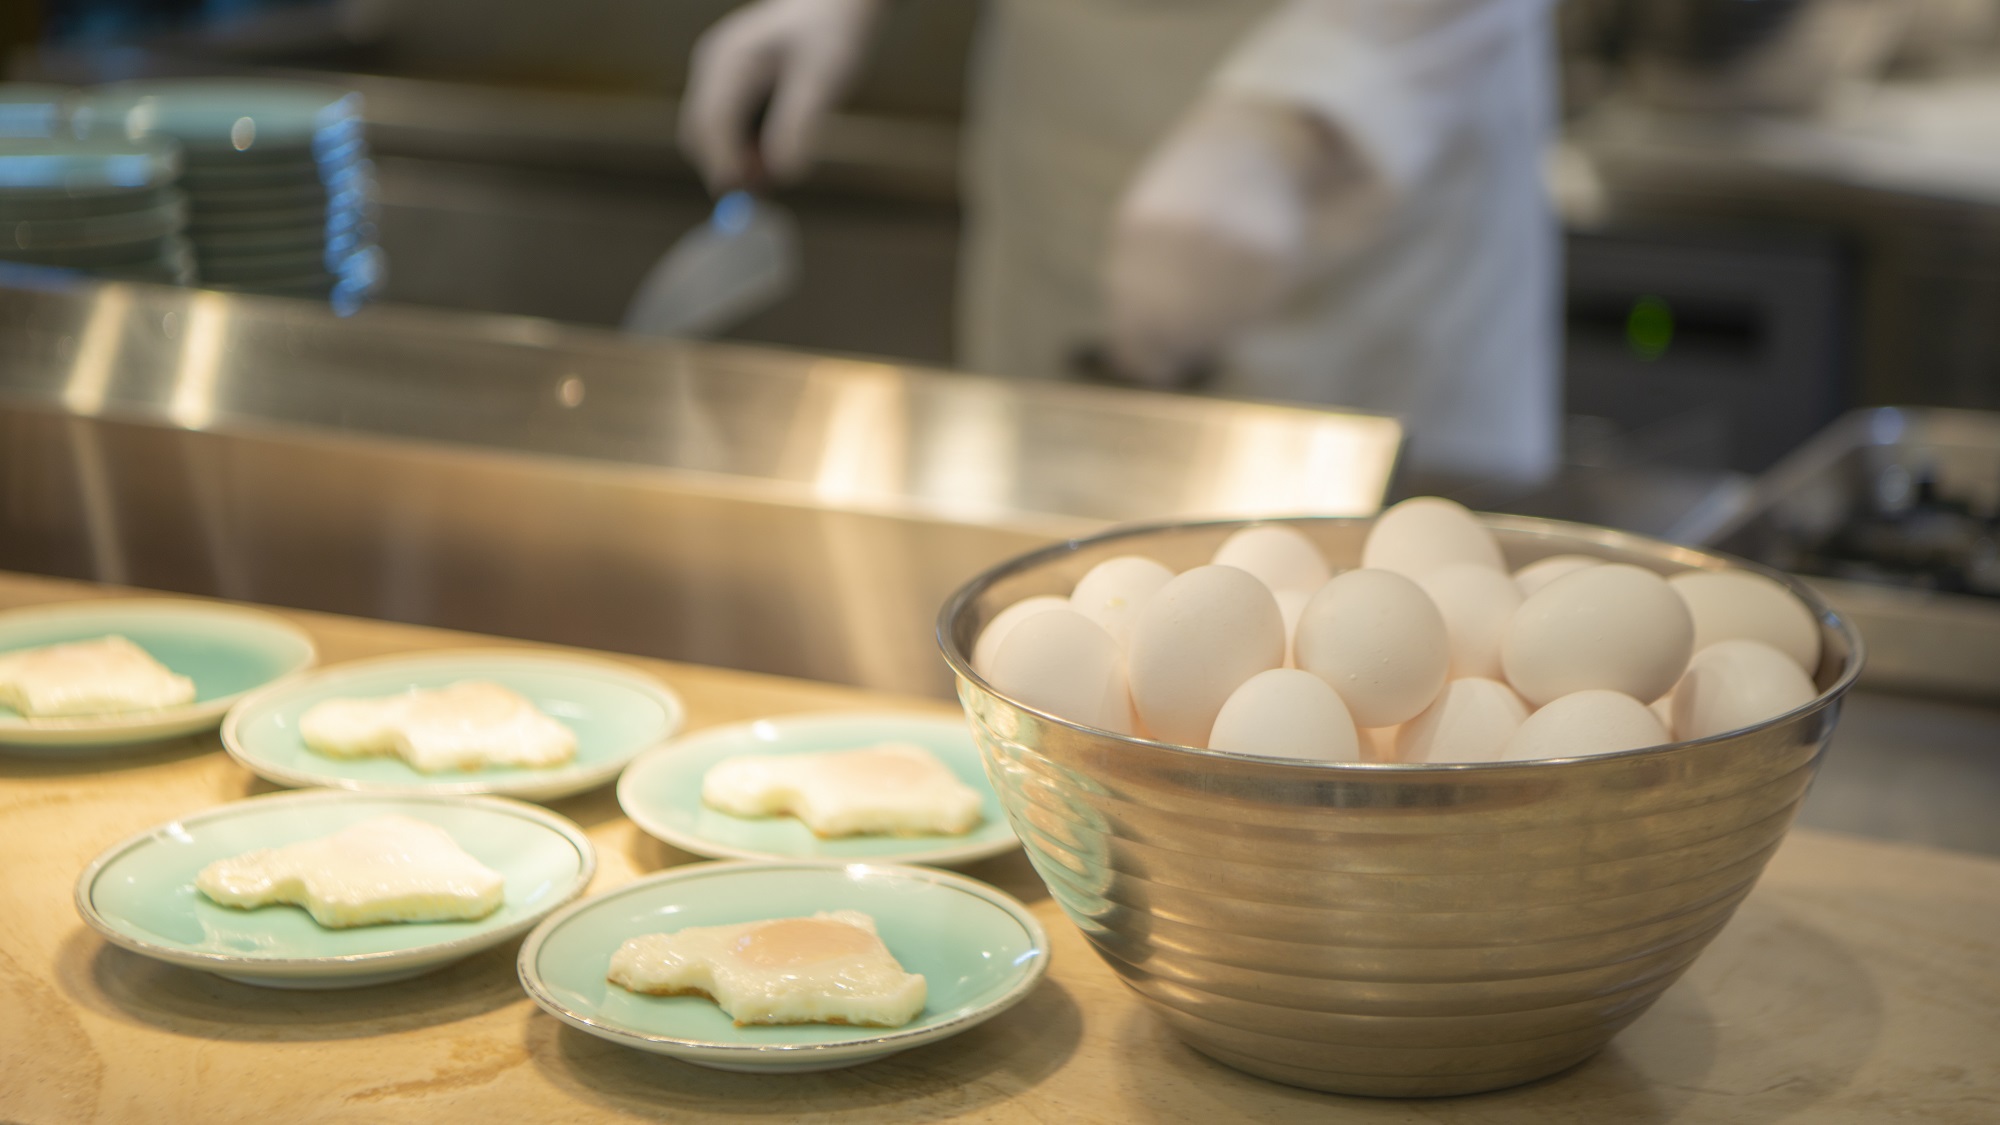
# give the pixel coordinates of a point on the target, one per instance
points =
(1333, 201)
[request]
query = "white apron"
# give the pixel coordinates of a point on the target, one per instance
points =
(1445, 314)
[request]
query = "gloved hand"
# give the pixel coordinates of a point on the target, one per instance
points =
(1215, 232)
(801, 54)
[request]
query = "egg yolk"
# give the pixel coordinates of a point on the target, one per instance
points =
(801, 941)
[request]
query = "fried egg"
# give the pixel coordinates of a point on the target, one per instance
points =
(470, 725)
(829, 968)
(109, 675)
(894, 789)
(389, 869)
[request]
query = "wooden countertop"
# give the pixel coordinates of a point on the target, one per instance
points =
(1859, 983)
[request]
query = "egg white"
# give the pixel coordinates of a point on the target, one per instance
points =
(108, 675)
(469, 725)
(892, 789)
(389, 869)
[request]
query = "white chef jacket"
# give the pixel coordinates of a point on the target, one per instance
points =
(1440, 306)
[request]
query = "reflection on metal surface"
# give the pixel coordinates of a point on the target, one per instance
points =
(739, 506)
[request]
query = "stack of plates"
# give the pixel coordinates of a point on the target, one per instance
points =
(29, 109)
(276, 173)
(106, 206)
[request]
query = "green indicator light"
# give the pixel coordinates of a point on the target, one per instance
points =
(1649, 327)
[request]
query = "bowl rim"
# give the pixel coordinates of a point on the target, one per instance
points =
(1577, 534)
(556, 824)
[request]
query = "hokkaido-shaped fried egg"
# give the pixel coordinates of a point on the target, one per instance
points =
(894, 789)
(470, 725)
(829, 968)
(109, 675)
(389, 869)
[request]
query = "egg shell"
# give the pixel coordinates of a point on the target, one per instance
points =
(1424, 533)
(1004, 622)
(1065, 664)
(1277, 556)
(1287, 713)
(1291, 605)
(1734, 684)
(1378, 744)
(1477, 603)
(1541, 572)
(1663, 710)
(1740, 604)
(1379, 640)
(1112, 593)
(1195, 643)
(1613, 627)
(1470, 721)
(1584, 723)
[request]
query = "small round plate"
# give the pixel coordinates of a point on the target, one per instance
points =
(661, 791)
(141, 896)
(979, 951)
(227, 650)
(616, 712)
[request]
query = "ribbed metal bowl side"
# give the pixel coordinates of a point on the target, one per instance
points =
(1389, 929)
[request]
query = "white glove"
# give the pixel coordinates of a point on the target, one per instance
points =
(1213, 234)
(801, 54)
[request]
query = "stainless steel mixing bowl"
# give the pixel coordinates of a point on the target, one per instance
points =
(1382, 928)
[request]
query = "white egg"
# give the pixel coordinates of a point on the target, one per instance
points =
(1427, 532)
(1195, 643)
(1113, 591)
(1663, 710)
(1477, 603)
(1378, 744)
(1613, 627)
(1277, 556)
(1379, 640)
(1063, 663)
(1286, 713)
(1004, 622)
(1470, 721)
(1732, 604)
(1541, 572)
(1291, 606)
(1584, 723)
(1735, 684)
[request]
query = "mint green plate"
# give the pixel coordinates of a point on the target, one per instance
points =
(616, 712)
(227, 650)
(141, 895)
(661, 791)
(979, 951)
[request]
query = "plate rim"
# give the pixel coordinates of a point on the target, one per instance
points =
(340, 964)
(893, 1039)
(547, 786)
(198, 714)
(710, 849)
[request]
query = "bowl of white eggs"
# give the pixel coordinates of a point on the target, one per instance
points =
(1426, 804)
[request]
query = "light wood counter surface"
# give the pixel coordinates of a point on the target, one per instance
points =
(1859, 983)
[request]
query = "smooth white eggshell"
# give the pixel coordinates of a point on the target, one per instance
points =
(1737, 683)
(1278, 556)
(1004, 622)
(1541, 572)
(1379, 640)
(1062, 662)
(1740, 604)
(1663, 710)
(1583, 723)
(1195, 643)
(1426, 532)
(1378, 744)
(1470, 721)
(1291, 605)
(1112, 593)
(1286, 713)
(1613, 627)
(1477, 603)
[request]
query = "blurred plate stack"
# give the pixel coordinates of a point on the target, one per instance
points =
(29, 109)
(276, 173)
(108, 207)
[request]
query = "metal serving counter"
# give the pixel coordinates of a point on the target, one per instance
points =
(746, 507)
